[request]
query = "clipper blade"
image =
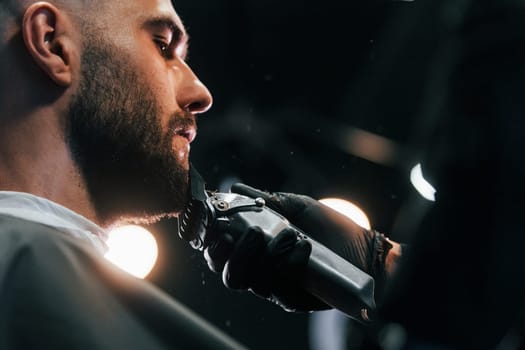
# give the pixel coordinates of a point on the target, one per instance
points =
(192, 221)
(192, 224)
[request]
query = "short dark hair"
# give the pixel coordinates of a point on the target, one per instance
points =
(7, 9)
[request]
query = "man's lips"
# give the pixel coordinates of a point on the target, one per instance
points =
(189, 133)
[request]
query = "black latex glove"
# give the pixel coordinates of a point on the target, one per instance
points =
(363, 248)
(273, 270)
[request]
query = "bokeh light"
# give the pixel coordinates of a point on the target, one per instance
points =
(424, 188)
(349, 209)
(133, 249)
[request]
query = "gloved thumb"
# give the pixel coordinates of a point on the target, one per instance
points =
(287, 204)
(249, 191)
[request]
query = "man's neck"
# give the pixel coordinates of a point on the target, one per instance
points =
(34, 158)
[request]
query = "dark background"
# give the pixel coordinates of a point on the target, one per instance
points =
(291, 80)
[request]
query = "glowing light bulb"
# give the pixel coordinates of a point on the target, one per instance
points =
(133, 249)
(349, 209)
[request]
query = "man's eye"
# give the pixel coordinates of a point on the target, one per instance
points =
(163, 47)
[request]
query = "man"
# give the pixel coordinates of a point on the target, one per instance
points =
(110, 102)
(98, 111)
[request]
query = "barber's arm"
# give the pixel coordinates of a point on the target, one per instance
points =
(274, 270)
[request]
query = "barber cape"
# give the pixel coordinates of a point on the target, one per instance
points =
(58, 292)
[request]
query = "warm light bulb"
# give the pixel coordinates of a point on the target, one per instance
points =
(349, 209)
(133, 249)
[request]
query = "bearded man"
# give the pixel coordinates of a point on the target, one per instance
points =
(97, 115)
(98, 111)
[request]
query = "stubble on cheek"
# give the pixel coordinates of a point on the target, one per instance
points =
(181, 151)
(180, 125)
(133, 168)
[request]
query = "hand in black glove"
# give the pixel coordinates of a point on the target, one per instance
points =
(363, 248)
(273, 270)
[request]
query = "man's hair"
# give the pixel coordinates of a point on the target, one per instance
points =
(9, 10)
(6, 13)
(10, 7)
(6, 7)
(80, 9)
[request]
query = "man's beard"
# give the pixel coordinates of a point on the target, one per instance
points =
(116, 138)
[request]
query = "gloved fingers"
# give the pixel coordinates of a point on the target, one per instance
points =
(243, 263)
(278, 250)
(218, 252)
(290, 271)
(282, 244)
(251, 192)
(273, 270)
(289, 256)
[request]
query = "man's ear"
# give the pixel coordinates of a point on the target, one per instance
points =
(47, 35)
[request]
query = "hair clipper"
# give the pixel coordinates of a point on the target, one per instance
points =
(329, 277)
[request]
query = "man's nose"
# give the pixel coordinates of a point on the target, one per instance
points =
(193, 96)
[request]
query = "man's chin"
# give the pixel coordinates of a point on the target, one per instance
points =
(156, 198)
(143, 219)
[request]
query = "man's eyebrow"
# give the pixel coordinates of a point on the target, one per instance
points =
(180, 36)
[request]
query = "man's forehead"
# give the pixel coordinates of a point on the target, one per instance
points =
(161, 7)
(145, 14)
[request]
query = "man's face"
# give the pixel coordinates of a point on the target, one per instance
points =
(133, 117)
